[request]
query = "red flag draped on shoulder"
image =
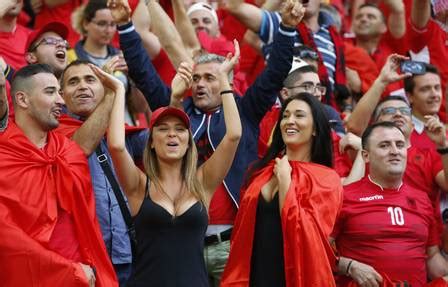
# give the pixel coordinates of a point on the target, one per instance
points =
(308, 216)
(34, 184)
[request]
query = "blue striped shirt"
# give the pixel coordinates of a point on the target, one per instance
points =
(270, 23)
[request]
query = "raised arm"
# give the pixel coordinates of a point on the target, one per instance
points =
(142, 23)
(248, 14)
(169, 37)
(214, 170)
(360, 117)
(185, 28)
(141, 70)
(396, 21)
(181, 84)
(129, 175)
(89, 135)
(420, 13)
(261, 95)
(436, 131)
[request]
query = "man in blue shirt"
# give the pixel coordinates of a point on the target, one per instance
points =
(90, 102)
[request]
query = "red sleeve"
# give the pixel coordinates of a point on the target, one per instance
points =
(419, 38)
(164, 67)
(357, 59)
(436, 162)
(433, 232)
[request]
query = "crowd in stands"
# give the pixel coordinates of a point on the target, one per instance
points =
(225, 143)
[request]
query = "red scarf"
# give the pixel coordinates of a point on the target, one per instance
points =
(33, 184)
(308, 215)
(307, 38)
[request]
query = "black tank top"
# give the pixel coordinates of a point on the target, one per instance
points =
(169, 249)
(267, 263)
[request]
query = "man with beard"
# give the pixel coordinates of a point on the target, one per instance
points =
(49, 235)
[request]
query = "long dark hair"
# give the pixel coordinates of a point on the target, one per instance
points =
(321, 147)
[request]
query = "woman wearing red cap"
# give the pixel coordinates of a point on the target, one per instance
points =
(169, 200)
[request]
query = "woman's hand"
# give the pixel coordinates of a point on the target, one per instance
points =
(282, 171)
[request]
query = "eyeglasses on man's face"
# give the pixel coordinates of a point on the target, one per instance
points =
(406, 111)
(52, 42)
(310, 88)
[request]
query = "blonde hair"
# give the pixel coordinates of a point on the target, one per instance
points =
(189, 168)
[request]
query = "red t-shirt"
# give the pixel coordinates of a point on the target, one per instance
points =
(422, 167)
(13, 46)
(222, 210)
(436, 41)
(63, 240)
(387, 229)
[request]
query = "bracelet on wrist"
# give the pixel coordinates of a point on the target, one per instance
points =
(347, 271)
(226, 92)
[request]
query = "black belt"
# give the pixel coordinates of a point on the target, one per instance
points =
(218, 238)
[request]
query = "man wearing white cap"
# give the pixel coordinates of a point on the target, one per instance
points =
(204, 18)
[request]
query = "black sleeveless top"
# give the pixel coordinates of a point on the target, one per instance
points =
(169, 249)
(267, 262)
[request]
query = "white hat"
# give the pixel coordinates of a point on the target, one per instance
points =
(297, 63)
(205, 7)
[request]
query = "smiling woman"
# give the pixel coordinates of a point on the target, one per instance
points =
(290, 202)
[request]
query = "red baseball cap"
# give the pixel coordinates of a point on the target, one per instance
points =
(56, 27)
(168, 111)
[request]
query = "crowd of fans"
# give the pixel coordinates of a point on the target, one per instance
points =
(230, 143)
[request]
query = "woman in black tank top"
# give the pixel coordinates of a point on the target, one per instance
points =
(169, 200)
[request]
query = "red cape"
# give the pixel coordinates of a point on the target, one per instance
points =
(33, 183)
(308, 215)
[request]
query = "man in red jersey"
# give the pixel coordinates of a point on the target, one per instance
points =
(386, 230)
